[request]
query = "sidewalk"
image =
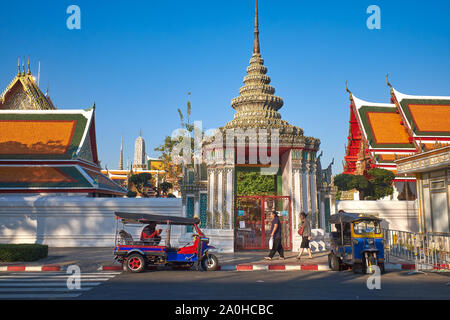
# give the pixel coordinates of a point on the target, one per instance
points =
(93, 259)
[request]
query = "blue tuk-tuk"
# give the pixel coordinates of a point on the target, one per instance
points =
(356, 241)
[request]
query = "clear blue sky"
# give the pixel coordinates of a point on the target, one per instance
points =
(137, 60)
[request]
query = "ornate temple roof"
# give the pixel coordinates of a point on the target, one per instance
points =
(426, 117)
(24, 94)
(257, 105)
(47, 134)
(43, 150)
(381, 126)
(383, 132)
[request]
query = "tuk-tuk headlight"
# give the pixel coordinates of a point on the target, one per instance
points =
(370, 242)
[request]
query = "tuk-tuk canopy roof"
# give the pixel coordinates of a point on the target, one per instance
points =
(347, 217)
(146, 218)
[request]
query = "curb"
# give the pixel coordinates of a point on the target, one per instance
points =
(265, 267)
(31, 268)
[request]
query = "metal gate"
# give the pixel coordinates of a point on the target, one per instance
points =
(253, 222)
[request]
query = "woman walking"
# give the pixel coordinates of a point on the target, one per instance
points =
(305, 232)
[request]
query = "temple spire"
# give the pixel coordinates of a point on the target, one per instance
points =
(256, 49)
(121, 154)
(18, 65)
(29, 69)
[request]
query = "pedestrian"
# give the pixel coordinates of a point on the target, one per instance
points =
(275, 235)
(305, 232)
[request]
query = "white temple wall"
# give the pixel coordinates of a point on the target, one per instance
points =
(399, 215)
(87, 222)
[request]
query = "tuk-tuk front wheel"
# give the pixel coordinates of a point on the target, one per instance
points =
(210, 263)
(135, 263)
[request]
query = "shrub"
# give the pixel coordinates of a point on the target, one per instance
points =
(131, 194)
(22, 252)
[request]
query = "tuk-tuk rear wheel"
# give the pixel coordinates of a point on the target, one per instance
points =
(335, 263)
(135, 263)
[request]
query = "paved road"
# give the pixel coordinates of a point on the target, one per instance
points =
(263, 285)
(43, 285)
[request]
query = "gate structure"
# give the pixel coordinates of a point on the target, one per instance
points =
(253, 222)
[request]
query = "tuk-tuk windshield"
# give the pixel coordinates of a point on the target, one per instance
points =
(366, 226)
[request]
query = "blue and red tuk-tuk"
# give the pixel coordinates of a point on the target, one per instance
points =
(137, 255)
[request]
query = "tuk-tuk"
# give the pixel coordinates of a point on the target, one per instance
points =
(137, 255)
(356, 241)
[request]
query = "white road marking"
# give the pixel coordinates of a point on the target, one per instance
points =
(25, 285)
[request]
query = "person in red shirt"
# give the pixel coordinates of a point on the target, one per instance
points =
(149, 234)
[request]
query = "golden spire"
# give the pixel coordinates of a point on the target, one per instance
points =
(346, 89)
(23, 66)
(18, 66)
(29, 70)
(388, 83)
(256, 49)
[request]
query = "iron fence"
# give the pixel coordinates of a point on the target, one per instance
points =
(426, 250)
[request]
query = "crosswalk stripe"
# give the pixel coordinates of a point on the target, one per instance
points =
(56, 277)
(47, 284)
(45, 290)
(38, 296)
(21, 285)
(49, 280)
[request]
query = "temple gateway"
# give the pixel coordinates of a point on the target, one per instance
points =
(255, 164)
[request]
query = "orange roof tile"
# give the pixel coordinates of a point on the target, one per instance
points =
(386, 128)
(431, 117)
(33, 175)
(35, 137)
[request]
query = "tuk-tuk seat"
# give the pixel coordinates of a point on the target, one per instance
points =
(125, 237)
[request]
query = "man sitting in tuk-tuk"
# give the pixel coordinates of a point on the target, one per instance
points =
(149, 234)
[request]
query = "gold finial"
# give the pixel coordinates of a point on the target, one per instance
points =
(23, 66)
(18, 66)
(256, 49)
(387, 81)
(29, 69)
(346, 89)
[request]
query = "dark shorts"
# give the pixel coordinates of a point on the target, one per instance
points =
(305, 242)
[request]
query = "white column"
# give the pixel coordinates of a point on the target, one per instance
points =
(297, 192)
(307, 189)
(220, 196)
(229, 196)
(211, 195)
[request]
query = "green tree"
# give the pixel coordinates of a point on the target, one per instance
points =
(377, 184)
(165, 187)
(140, 181)
(381, 182)
(172, 171)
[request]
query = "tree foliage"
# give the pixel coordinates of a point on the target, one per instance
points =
(253, 183)
(377, 184)
(139, 181)
(165, 187)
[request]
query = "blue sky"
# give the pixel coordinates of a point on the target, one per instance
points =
(137, 60)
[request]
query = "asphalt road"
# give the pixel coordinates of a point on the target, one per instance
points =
(264, 285)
